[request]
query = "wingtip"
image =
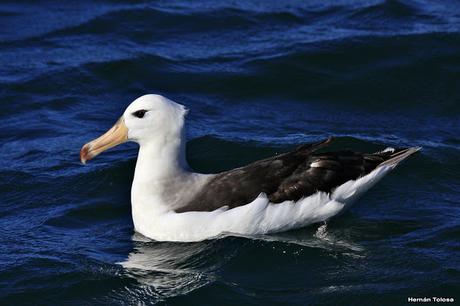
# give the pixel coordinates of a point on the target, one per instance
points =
(411, 150)
(400, 156)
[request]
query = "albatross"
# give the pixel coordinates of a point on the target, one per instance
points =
(171, 202)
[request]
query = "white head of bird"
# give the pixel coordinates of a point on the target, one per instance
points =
(152, 121)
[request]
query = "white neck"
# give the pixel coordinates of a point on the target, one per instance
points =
(162, 181)
(158, 168)
(161, 158)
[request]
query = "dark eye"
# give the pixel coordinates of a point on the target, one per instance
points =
(140, 113)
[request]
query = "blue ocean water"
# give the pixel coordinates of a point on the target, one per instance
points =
(259, 77)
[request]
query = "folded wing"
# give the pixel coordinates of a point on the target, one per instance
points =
(288, 176)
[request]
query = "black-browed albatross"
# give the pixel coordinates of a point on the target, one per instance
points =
(286, 191)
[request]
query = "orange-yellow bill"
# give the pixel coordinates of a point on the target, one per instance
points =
(116, 135)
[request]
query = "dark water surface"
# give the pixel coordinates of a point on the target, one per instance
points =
(259, 77)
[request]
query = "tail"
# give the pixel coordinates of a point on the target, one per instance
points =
(398, 156)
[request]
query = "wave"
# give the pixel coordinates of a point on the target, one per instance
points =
(391, 71)
(384, 71)
(163, 23)
(385, 11)
(159, 21)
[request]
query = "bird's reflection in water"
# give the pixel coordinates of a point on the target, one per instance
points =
(167, 269)
(171, 268)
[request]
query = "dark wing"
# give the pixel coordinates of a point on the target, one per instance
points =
(288, 176)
